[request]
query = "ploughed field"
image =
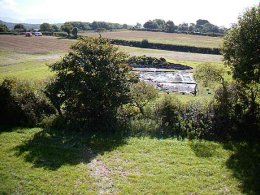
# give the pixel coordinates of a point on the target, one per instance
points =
(161, 37)
(33, 45)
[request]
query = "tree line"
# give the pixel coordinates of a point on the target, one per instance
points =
(201, 26)
(47, 27)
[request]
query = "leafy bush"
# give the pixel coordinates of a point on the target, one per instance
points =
(145, 43)
(92, 82)
(141, 93)
(237, 112)
(169, 113)
(21, 105)
(152, 62)
(197, 120)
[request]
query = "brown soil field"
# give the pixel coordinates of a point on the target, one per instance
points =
(34, 45)
(161, 37)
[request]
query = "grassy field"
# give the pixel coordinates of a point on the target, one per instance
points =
(161, 37)
(27, 58)
(37, 161)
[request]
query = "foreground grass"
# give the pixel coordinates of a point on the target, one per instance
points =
(42, 166)
(37, 161)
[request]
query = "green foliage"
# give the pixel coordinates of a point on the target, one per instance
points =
(168, 111)
(3, 28)
(21, 105)
(55, 28)
(67, 27)
(202, 27)
(170, 26)
(237, 112)
(45, 27)
(141, 93)
(209, 74)
(241, 47)
(92, 83)
(75, 32)
(145, 43)
(19, 28)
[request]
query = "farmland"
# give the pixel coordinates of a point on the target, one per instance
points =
(160, 37)
(40, 160)
(26, 58)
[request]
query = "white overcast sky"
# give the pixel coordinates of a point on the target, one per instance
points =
(219, 12)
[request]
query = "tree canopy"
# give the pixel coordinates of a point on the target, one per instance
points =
(19, 27)
(45, 27)
(241, 48)
(3, 28)
(92, 82)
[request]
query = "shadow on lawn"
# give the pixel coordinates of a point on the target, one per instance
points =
(52, 149)
(245, 164)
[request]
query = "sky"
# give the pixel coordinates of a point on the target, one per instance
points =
(219, 12)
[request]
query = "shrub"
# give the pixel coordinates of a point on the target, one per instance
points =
(21, 105)
(75, 32)
(152, 62)
(141, 93)
(145, 43)
(237, 112)
(197, 120)
(92, 82)
(168, 112)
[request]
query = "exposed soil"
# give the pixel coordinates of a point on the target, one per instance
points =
(34, 45)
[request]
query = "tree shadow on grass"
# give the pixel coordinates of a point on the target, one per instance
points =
(52, 149)
(245, 164)
(204, 149)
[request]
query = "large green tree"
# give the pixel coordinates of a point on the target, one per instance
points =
(3, 28)
(67, 27)
(19, 27)
(92, 82)
(241, 48)
(45, 27)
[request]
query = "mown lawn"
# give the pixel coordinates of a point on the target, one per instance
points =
(36, 161)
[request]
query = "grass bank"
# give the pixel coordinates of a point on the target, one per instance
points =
(37, 161)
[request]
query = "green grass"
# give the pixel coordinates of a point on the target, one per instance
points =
(23, 172)
(26, 66)
(37, 161)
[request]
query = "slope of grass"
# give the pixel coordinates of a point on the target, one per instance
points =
(37, 161)
(57, 171)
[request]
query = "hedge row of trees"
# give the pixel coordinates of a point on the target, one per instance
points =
(169, 47)
(46, 27)
(201, 26)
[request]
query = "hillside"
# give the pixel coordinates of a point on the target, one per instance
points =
(11, 25)
(39, 161)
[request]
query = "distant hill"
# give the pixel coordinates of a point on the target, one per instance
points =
(11, 25)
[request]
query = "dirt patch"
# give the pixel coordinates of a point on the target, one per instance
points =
(102, 174)
(34, 45)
